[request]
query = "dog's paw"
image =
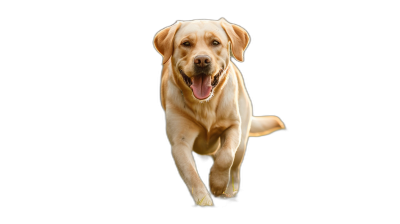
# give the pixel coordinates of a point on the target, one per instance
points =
(204, 201)
(233, 185)
(218, 181)
(226, 194)
(229, 192)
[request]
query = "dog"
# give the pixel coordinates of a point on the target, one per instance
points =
(206, 104)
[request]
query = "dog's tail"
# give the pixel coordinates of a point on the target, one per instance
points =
(265, 125)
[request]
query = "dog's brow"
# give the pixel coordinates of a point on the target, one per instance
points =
(190, 36)
(210, 34)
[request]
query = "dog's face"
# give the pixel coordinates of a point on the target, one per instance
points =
(200, 52)
(200, 55)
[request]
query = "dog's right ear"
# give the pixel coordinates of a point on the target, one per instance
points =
(164, 41)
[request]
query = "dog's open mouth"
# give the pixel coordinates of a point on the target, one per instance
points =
(201, 85)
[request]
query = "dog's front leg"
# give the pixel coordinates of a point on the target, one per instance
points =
(219, 174)
(182, 135)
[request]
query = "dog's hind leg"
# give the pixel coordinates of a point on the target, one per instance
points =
(234, 182)
(224, 158)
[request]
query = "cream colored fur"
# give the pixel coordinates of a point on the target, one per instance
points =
(218, 126)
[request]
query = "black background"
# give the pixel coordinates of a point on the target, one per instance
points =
(115, 137)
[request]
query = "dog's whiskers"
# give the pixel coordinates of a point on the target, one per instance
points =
(185, 78)
(216, 78)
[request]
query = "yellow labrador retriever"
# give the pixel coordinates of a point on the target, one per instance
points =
(206, 104)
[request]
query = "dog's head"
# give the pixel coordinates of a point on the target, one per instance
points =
(200, 52)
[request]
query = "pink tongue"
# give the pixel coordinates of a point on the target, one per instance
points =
(201, 86)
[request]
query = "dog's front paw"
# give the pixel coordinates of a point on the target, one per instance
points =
(201, 196)
(218, 181)
(204, 201)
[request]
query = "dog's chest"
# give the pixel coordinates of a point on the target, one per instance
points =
(208, 141)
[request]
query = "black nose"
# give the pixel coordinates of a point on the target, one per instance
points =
(202, 61)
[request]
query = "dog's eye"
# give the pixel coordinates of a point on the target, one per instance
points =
(186, 43)
(215, 42)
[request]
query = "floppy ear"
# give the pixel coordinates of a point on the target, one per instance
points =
(164, 41)
(238, 36)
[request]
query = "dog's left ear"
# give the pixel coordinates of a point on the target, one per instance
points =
(238, 36)
(164, 41)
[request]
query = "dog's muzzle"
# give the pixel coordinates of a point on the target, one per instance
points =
(202, 84)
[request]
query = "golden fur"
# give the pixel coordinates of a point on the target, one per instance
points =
(219, 125)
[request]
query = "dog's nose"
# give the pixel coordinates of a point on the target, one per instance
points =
(202, 61)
